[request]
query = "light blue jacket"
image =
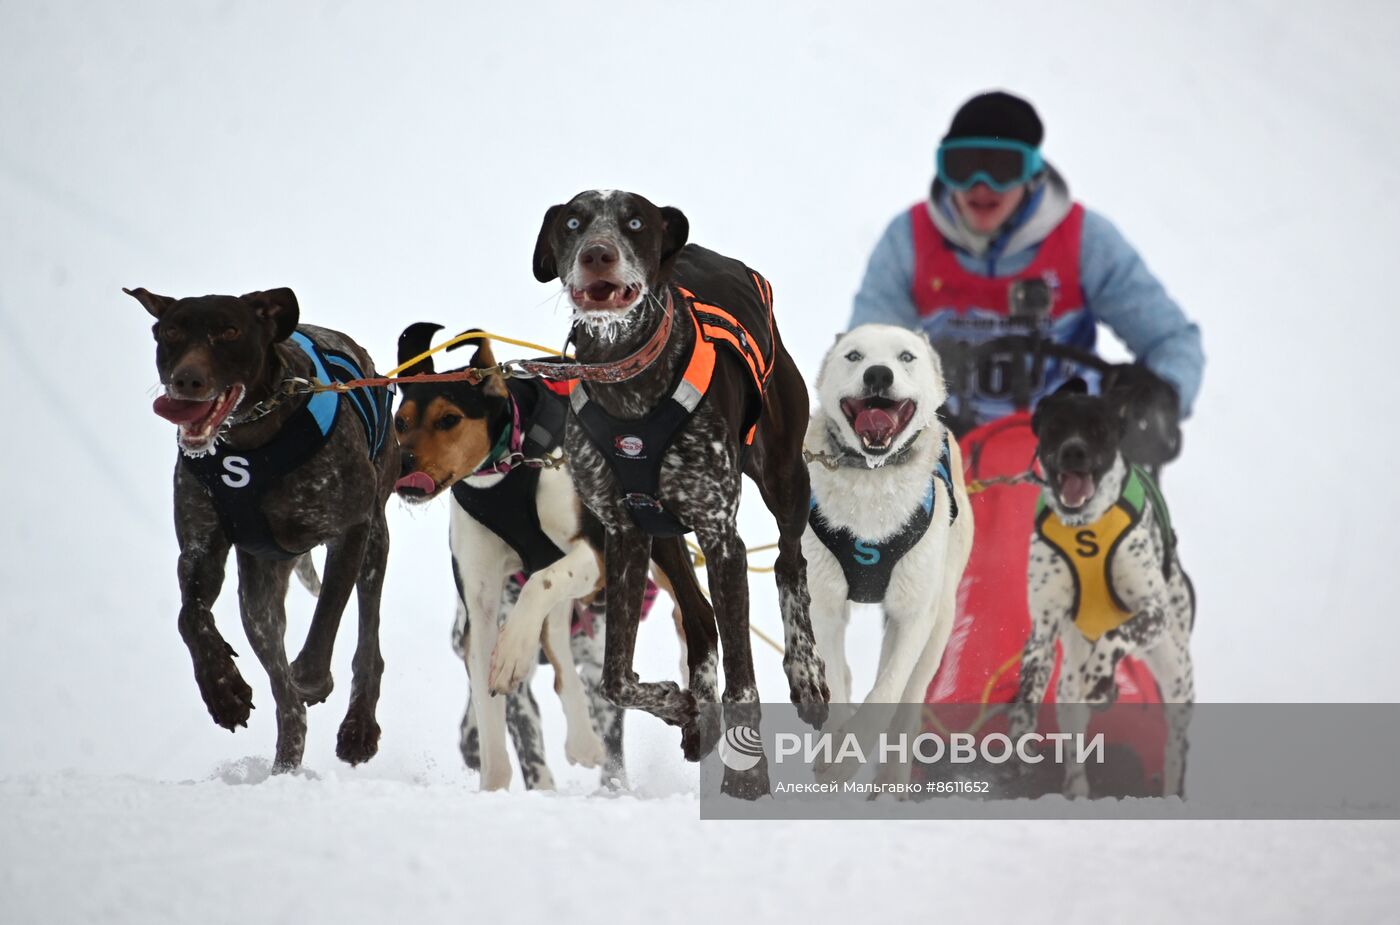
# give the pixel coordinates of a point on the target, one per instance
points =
(1119, 290)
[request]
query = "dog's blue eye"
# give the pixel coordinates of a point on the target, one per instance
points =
(855, 356)
(573, 224)
(906, 357)
(635, 224)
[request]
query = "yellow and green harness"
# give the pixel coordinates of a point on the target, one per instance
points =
(1089, 549)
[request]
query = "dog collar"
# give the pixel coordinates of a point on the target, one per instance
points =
(500, 460)
(848, 458)
(629, 367)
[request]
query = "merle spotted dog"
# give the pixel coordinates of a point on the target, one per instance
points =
(709, 394)
(1104, 578)
(275, 474)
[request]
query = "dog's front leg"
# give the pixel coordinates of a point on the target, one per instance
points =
(726, 561)
(587, 647)
(727, 564)
(1170, 663)
(490, 709)
(262, 595)
(312, 668)
(519, 643)
(358, 739)
(911, 616)
(1071, 712)
(480, 584)
(227, 696)
(909, 719)
(699, 643)
(787, 491)
(910, 624)
(698, 633)
(831, 615)
(581, 743)
(1050, 597)
(625, 555)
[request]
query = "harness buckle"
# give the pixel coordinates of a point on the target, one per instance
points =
(640, 501)
(296, 385)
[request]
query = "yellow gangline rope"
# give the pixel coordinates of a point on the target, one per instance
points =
(463, 338)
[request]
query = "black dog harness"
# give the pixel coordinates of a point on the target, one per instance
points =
(237, 480)
(634, 449)
(508, 508)
(868, 566)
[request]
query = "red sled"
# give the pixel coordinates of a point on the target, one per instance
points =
(981, 666)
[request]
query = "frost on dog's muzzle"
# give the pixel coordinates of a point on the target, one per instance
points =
(199, 422)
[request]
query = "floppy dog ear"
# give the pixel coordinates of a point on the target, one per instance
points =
(673, 237)
(414, 341)
(278, 306)
(544, 266)
(155, 304)
(484, 358)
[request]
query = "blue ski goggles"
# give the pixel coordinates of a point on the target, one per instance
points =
(997, 162)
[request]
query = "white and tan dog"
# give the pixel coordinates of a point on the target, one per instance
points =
(890, 521)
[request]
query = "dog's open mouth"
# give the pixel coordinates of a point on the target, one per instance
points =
(199, 421)
(416, 486)
(604, 296)
(1075, 489)
(878, 421)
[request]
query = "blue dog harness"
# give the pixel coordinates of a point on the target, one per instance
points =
(237, 480)
(867, 565)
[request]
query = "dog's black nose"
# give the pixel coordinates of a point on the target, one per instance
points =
(408, 463)
(879, 378)
(1073, 455)
(190, 380)
(598, 255)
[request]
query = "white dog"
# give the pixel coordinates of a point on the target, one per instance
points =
(890, 521)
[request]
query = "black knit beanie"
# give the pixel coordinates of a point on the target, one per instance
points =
(997, 115)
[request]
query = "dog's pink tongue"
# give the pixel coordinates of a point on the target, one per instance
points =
(1075, 488)
(417, 480)
(180, 411)
(876, 424)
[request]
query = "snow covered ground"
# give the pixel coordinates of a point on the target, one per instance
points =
(392, 165)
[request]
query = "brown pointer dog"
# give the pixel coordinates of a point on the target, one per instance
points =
(661, 453)
(275, 474)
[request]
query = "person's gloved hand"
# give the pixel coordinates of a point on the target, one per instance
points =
(1151, 412)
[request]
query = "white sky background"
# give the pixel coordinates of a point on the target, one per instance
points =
(392, 163)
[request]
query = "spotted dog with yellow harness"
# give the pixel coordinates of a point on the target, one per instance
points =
(1104, 578)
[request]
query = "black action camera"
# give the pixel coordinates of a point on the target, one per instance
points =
(1030, 300)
